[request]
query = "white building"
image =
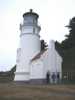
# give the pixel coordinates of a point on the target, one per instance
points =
(32, 63)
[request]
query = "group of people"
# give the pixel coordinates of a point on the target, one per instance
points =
(53, 77)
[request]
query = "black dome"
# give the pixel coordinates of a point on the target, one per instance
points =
(31, 13)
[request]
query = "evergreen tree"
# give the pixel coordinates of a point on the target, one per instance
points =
(43, 45)
(69, 42)
(58, 48)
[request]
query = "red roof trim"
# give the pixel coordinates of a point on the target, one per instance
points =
(38, 55)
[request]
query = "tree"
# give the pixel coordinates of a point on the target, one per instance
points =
(69, 42)
(59, 48)
(43, 45)
(68, 50)
(13, 69)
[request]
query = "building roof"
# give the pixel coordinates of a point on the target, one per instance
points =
(43, 51)
(31, 13)
(38, 55)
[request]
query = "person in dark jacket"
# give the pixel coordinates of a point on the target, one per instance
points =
(53, 78)
(48, 77)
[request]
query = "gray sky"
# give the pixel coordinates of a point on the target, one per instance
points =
(53, 16)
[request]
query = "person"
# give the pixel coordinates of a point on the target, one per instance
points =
(48, 77)
(53, 78)
(58, 77)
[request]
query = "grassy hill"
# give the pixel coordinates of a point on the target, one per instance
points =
(7, 76)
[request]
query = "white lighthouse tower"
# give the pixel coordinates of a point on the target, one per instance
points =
(29, 45)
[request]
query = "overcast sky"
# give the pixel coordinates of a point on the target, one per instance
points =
(54, 15)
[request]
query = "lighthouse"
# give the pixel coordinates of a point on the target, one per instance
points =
(32, 63)
(29, 45)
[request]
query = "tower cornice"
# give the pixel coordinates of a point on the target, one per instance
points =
(29, 34)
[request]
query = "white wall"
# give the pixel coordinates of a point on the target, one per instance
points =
(55, 60)
(21, 76)
(44, 59)
(50, 61)
(36, 71)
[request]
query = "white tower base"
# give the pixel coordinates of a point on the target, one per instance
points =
(21, 76)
